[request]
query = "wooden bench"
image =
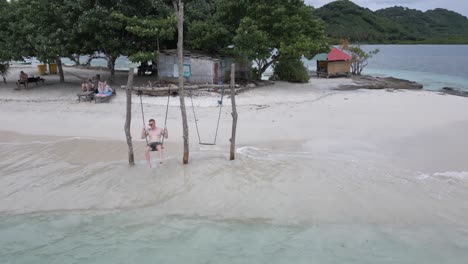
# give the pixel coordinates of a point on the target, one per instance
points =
(85, 96)
(35, 80)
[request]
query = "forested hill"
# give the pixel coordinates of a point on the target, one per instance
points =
(345, 19)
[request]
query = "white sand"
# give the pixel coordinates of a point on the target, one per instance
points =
(416, 121)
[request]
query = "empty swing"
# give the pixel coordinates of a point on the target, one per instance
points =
(220, 105)
(161, 142)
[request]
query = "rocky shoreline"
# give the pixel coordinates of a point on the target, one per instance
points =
(370, 82)
(454, 91)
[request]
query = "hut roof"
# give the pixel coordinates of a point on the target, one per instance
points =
(338, 55)
(320, 57)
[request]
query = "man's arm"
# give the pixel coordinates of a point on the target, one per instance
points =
(164, 133)
(143, 133)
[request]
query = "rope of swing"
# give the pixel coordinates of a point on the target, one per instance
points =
(220, 104)
(195, 116)
(167, 111)
(143, 115)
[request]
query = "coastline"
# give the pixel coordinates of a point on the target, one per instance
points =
(317, 107)
(414, 129)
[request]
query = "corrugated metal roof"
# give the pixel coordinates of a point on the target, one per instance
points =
(320, 57)
(338, 55)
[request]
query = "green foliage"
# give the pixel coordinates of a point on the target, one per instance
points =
(4, 70)
(8, 43)
(344, 19)
(291, 70)
(264, 31)
(359, 58)
(143, 56)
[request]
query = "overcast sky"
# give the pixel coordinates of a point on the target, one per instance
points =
(459, 6)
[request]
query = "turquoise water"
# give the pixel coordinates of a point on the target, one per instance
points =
(434, 66)
(139, 236)
(121, 63)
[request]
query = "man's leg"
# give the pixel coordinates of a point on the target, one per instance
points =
(160, 153)
(148, 156)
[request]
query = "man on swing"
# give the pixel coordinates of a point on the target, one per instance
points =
(154, 134)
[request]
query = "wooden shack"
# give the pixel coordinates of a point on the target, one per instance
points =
(200, 68)
(335, 63)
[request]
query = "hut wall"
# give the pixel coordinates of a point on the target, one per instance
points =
(166, 65)
(338, 67)
(202, 70)
(322, 66)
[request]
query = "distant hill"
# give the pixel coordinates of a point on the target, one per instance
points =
(345, 19)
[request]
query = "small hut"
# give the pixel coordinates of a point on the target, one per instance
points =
(335, 63)
(200, 68)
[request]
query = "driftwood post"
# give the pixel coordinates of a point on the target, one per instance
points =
(234, 112)
(128, 118)
(179, 10)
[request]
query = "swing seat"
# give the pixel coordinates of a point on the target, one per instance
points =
(207, 144)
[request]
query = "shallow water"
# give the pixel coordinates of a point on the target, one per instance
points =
(74, 200)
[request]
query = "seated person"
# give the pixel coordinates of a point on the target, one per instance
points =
(23, 79)
(104, 89)
(87, 86)
(142, 68)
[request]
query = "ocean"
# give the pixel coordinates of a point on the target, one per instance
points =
(434, 66)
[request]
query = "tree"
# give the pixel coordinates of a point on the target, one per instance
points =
(265, 30)
(105, 27)
(150, 32)
(359, 58)
(179, 10)
(291, 70)
(5, 48)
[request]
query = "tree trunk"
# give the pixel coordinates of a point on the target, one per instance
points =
(60, 69)
(75, 58)
(234, 112)
(111, 65)
(128, 118)
(262, 69)
(179, 9)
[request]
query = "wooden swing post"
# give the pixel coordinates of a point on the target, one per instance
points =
(128, 118)
(234, 111)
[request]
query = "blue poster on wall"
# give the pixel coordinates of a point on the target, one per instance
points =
(187, 70)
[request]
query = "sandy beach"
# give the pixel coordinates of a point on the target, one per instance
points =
(306, 154)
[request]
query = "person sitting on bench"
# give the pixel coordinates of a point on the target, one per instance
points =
(104, 89)
(87, 86)
(23, 79)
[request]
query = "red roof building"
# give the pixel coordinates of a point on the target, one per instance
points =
(338, 55)
(337, 63)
